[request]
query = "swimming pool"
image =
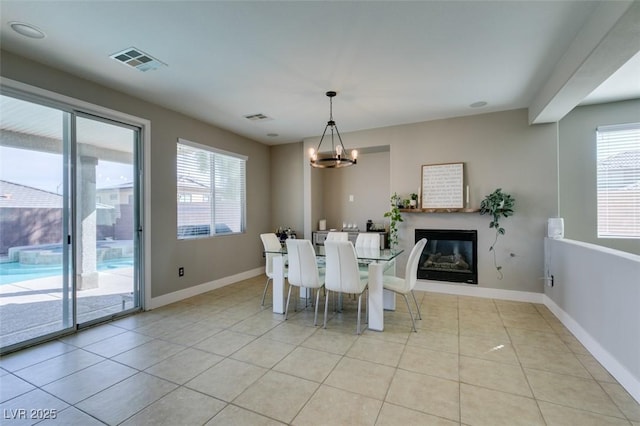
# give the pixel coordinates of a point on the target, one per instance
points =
(13, 272)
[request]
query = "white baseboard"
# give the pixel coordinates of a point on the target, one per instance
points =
(179, 295)
(617, 370)
(475, 291)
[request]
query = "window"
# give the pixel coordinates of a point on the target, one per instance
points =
(211, 191)
(618, 162)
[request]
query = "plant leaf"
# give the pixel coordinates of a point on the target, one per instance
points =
(501, 231)
(499, 268)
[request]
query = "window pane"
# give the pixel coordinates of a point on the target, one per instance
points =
(618, 181)
(229, 179)
(211, 192)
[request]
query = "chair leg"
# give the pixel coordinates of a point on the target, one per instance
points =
(413, 323)
(264, 293)
(315, 317)
(326, 307)
(286, 309)
(358, 322)
(366, 307)
(417, 306)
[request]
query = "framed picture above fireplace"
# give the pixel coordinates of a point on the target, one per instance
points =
(442, 186)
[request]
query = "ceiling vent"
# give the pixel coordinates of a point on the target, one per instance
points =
(257, 117)
(137, 59)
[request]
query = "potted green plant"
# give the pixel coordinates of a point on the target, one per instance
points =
(394, 218)
(413, 202)
(498, 204)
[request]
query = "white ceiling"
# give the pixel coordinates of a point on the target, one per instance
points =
(390, 62)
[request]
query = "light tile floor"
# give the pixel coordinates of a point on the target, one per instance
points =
(220, 359)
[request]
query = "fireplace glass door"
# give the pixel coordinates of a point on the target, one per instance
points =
(449, 255)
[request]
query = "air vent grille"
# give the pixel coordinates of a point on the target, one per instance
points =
(257, 117)
(137, 59)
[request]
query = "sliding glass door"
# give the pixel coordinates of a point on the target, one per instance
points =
(69, 220)
(106, 218)
(35, 285)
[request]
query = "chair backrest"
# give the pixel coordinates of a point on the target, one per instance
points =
(337, 236)
(342, 267)
(411, 271)
(271, 242)
(303, 269)
(368, 240)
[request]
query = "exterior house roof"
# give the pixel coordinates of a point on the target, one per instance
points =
(14, 195)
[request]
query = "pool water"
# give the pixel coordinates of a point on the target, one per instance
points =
(13, 272)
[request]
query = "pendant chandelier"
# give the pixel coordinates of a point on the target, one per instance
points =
(335, 158)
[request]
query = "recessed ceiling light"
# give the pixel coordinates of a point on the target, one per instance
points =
(26, 30)
(478, 104)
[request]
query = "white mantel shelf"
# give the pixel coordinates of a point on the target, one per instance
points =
(439, 210)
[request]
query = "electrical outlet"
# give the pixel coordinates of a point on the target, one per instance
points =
(181, 271)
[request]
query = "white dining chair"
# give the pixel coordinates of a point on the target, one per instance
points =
(303, 271)
(271, 243)
(337, 236)
(368, 240)
(342, 274)
(404, 286)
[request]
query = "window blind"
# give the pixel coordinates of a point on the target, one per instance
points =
(211, 191)
(618, 181)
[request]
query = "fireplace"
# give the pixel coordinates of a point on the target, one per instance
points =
(449, 255)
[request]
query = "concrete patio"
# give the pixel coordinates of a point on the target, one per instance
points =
(33, 308)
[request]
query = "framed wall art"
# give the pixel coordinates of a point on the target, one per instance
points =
(442, 186)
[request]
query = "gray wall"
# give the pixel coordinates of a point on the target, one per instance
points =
(577, 165)
(287, 187)
(368, 182)
(499, 150)
(205, 259)
(596, 296)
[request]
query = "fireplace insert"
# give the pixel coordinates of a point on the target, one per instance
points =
(449, 255)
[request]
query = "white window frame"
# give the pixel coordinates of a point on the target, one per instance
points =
(618, 181)
(203, 232)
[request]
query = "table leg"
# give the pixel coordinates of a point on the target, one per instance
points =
(278, 285)
(375, 301)
(389, 297)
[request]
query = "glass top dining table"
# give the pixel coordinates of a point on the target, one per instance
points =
(362, 253)
(378, 300)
